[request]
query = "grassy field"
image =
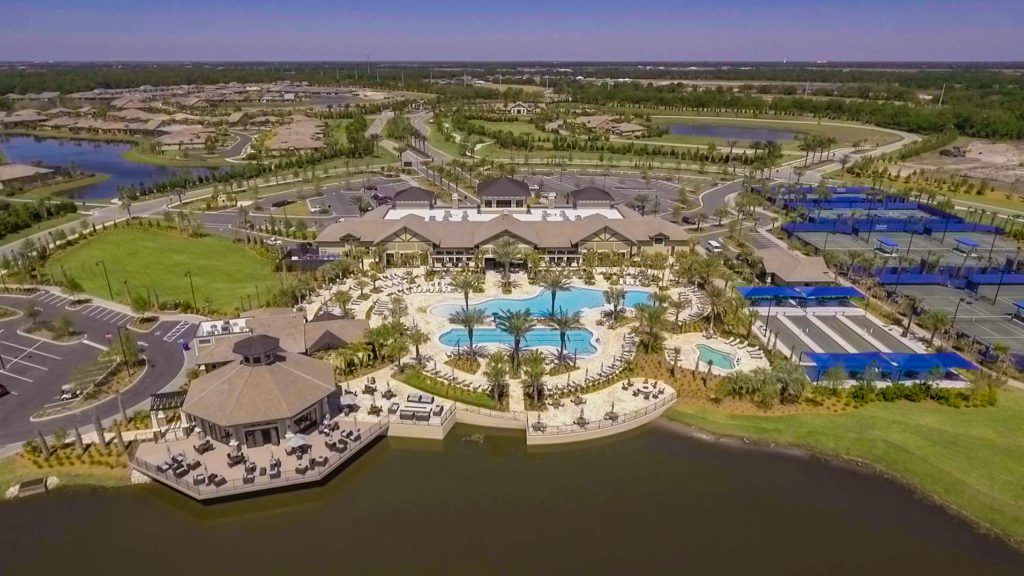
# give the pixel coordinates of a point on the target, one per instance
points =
(971, 459)
(513, 127)
(155, 259)
(108, 471)
(172, 159)
(41, 227)
(62, 187)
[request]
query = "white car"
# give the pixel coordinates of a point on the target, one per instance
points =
(273, 241)
(534, 187)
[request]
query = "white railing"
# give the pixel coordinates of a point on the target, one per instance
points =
(548, 430)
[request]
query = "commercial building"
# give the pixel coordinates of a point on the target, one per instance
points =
(418, 229)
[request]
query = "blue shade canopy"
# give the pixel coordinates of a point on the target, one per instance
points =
(799, 292)
(888, 242)
(765, 292)
(966, 242)
(890, 362)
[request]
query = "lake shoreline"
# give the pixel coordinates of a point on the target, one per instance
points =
(669, 423)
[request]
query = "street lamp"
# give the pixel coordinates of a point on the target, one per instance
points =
(128, 290)
(105, 276)
(957, 310)
(124, 352)
(195, 306)
(769, 318)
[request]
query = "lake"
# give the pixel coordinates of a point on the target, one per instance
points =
(648, 502)
(741, 133)
(90, 156)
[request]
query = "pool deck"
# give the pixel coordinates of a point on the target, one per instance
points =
(689, 355)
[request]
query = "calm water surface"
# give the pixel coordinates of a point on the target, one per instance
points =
(90, 156)
(651, 502)
(731, 132)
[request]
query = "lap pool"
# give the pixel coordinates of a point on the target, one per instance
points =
(572, 300)
(578, 341)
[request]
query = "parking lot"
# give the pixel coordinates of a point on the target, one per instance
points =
(34, 370)
(663, 194)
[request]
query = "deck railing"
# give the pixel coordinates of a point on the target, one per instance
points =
(549, 430)
(258, 482)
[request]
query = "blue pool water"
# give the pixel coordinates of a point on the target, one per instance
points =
(716, 357)
(91, 157)
(573, 300)
(576, 340)
(731, 132)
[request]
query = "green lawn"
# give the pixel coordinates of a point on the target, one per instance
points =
(970, 458)
(154, 259)
(513, 127)
(63, 186)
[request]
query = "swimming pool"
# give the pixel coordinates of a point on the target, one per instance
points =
(578, 341)
(716, 357)
(572, 300)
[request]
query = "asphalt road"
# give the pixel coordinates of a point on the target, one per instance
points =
(236, 149)
(37, 369)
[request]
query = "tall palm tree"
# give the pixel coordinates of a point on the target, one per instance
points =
(467, 282)
(506, 251)
(469, 318)
(496, 374)
(564, 322)
(418, 338)
(554, 282)
(343, 298)
(641, 201)
(534, 370)
(718, 300)
(516, 324)
(615, 297)
(650, 317)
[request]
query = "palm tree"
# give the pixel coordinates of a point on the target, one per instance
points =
(650, 317)
(678, 305)
(718, 300)
(554, 282)
(343, 298)
(641, 201)
(731, 144)
(496, 374)
(564, 322)
(933, 321)
(418, 338)
(533, 373)
(505, 251)
(516, 324)
(615, 297)
(469, 318)
(721, 212)
(467, 282)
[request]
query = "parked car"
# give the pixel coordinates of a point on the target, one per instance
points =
(370, 187)
(273, 241)
(68, 392)
(4, 391)
(534, 187)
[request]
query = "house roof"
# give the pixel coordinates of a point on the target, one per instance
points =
(502, 188)
(239, 394)
(15, 171)
(414, 194)
(591, 194)
(258, 345)
(790, 267)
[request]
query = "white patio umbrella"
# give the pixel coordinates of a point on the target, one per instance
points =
(298, 441)
(348, 399)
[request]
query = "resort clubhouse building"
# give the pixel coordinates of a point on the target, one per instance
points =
(417, 229)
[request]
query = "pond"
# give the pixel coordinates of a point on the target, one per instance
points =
(649, 502)
(91, 157)
(742, 133)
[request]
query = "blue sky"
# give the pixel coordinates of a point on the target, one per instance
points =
(523, 30)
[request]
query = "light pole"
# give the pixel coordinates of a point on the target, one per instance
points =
(124, 352)
(769, 318)
(107, 278)
(956, 310)
(128, 290)
(195, 306)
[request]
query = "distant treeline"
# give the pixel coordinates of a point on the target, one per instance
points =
(17, 216)
(994, 113)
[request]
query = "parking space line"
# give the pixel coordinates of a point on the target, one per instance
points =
(32, 349)
(107, 315)
(15, 376)
(12, 360)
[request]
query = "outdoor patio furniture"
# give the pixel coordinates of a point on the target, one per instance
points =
(375, 410)
(321, 461)
(274, 474)
(301, 469)
(263, 470)
(539, 426)
(199, 479)
(220, 481)
(248, 478)
(181, 471)
(235, 460)
(438, 410)
(163, 468)
(194, 464)
(330, 444)
(288, 450)
(393, 408)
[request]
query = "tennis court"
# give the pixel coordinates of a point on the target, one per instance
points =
(952, 251)
(865, 214)
(977, 315)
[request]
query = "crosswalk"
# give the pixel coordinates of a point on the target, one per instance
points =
(177, 331)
